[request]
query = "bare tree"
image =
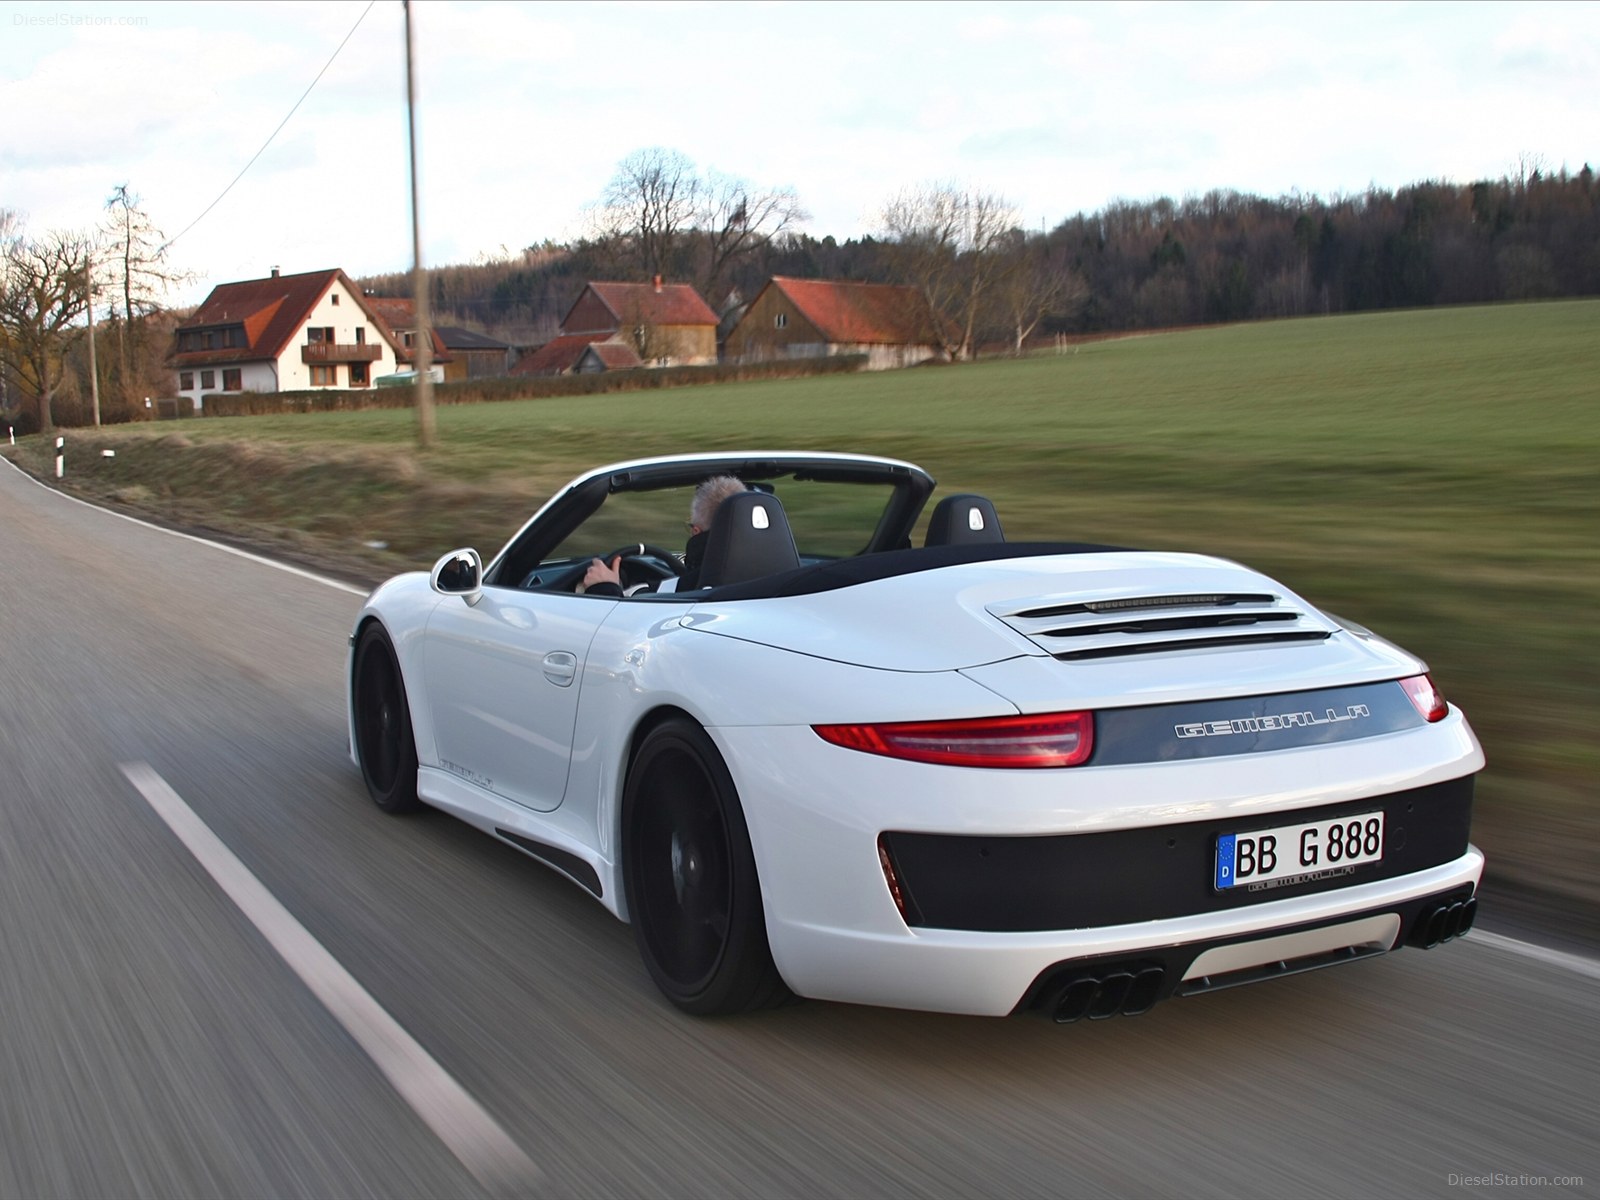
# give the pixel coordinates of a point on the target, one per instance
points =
(135, 257)
(649, 205)
(1036, 284)
(660, 215)
(952, 242)
(43, 292)
(736, 220)
(1529, 169)
(10, 398)
(637, 328)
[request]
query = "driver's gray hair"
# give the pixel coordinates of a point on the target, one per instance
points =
(708, 497)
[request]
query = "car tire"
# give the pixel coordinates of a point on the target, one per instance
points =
(385, 743)
(693, 894)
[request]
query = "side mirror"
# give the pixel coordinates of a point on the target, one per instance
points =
(459, 573)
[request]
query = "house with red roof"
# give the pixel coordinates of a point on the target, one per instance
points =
(282, 333)
(560, 355)
(655, 324)
(462, 353)
(893, 326)
(399, 313)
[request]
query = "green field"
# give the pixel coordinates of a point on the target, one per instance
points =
(1434, 474)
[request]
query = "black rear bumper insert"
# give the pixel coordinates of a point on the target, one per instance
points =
(1086, 880)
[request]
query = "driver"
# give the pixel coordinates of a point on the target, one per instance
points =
(605, 579)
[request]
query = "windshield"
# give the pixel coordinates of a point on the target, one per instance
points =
(829, 519)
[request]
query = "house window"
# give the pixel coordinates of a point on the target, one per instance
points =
(231, 381)
(780, 321)
(186, 381)
(235, 338)
(358, 373)
(319, 333)
(334, 299)
(324, 376)
(411, 340)
(208, 379)
(361, 335)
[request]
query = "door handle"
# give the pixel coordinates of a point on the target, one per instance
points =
(561, 667)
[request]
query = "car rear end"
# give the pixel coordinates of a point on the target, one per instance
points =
(1189, 779)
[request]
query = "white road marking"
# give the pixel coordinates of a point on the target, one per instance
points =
(189, 537)
(459, 1121)
(1554, 958)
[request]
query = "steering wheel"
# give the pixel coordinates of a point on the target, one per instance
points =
(643, 563)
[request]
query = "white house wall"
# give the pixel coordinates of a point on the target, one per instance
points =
(345, 317)
(259, 377)
(253, 377)
(879, 357)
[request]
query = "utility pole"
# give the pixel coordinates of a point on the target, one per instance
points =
(94, 371)
(422, 358)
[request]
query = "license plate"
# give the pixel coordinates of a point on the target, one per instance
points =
(1293, 852)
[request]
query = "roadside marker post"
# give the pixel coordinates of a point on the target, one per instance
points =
(61, 457)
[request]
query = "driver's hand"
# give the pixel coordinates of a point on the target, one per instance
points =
(602, 572)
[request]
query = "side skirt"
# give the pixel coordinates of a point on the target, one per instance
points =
(546, 837)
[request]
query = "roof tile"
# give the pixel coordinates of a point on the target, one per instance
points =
(271, 310)
(559, 356)
(671, 304)
(863, 313)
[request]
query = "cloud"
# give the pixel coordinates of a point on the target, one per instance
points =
(525, 109)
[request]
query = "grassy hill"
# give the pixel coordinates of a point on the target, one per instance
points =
(1434, 474)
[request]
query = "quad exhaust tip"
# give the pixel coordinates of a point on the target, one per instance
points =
(1108, 994)
(1134, 989)
(1444, 923)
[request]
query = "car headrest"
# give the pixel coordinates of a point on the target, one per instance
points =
(963, 520)
(749, 538)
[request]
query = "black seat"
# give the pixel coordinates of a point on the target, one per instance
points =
(749, 538)
(963, 520)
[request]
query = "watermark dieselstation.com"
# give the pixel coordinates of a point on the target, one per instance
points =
(1512, 1179)
(72, 20)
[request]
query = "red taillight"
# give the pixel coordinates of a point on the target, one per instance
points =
(1428, 699)
(1047, 740)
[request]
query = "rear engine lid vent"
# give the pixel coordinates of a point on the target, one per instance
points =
(1113, 625)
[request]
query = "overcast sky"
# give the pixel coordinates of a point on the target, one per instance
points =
(525, 109)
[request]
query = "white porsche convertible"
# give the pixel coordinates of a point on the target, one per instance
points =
(965, 775)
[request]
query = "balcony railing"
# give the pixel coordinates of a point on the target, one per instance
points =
(340, 352)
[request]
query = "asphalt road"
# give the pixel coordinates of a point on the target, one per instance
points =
(153, 1042)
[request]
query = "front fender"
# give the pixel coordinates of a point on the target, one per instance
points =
(402, 606)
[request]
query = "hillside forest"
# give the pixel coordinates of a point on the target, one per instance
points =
(1133, 265)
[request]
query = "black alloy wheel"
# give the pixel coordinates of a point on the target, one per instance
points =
(384, 740)
(693, 894)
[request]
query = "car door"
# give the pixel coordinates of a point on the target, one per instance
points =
(502, 681)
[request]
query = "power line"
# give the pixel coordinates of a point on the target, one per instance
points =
(276, 131)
